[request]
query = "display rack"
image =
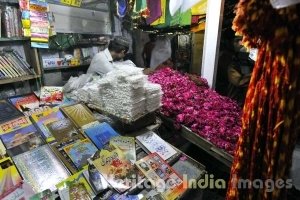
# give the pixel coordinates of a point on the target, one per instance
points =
(66, 67)
(18, 79)
(208, 147)
(13, 39)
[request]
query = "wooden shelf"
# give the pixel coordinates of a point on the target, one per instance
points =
(9, 1)
(212, 150)
(18, 79)
(14, 39)
(65, 67)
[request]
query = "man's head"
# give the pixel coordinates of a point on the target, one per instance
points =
(118, 48)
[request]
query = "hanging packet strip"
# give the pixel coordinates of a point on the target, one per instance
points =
(24, 4)
(121, 8)
(39, 23)
(26, 19)
(162, 18)
(141, 8)
(188, 4)
(174, 6)
(182, 19)
(167, 15)
(200, 8)
(40, 45)
(155, 10)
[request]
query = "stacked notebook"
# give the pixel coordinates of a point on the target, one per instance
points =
(11, 18)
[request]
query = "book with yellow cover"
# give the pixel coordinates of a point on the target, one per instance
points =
(119, 172)
(79, 114)
(63, 129)
(10, 179)
(162, 176)
(42, 119)
(75, 187)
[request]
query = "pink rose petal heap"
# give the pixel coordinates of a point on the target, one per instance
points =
(204, 111)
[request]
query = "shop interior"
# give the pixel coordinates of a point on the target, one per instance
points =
(140, 99)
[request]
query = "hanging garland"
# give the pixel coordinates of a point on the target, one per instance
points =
(271, 118)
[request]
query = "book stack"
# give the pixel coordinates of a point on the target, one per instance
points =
(124, 93)
(11, 21)
(28, 104)
(12, 65)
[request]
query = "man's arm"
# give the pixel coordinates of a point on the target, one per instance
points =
(100, 65)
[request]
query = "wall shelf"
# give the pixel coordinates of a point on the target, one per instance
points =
(18, 79)
(65, 67)
(13, 39)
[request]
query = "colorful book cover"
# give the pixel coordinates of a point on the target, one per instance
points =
(19, 135)
(14, 124)
(23, 192)
(80, 152)
(2, 150)
(21, 140)
(117, 196)
(153, 195)
(58, 149)
(95, 179)
(162, 176)
(62, 129)
(27, 104)
(42, 119)
(45, 195)
(75, 187)
(119, 172)
(51, 95)
(41, 168)
(127, 145)
(8, 111)
(10, 178)
(79, 114)
(153, 143)
(101, 134)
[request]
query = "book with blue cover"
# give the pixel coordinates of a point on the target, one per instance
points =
(101, 134)
(80, 152)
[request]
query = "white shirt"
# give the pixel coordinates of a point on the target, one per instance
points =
(101, 64)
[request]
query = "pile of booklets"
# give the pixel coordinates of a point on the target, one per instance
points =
(12, 65)
(64, 151)
(124, 93)
(11, 19)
